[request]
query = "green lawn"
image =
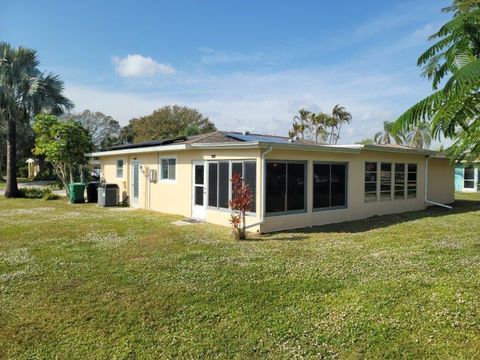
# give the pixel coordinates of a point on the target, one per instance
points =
(78, 281)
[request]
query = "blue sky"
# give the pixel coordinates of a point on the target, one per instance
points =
(248, 65)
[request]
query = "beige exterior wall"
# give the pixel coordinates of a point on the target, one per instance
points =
(441, 181)
(176, 197)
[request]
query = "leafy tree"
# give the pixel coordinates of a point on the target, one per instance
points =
(301, 123)
(453, 66)
(63, 143)
(242, 198)
(169, 122)
(388, 135)
(105, 131)
(366, 141)
(24, 91)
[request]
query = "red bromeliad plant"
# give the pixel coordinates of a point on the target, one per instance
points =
(242, 198)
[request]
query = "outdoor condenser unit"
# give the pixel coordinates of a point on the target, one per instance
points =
(108, 195)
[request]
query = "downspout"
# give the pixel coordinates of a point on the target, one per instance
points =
(262, 202)
(426, 188)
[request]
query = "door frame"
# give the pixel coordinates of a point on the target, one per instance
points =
(134, 202)
(203, 214)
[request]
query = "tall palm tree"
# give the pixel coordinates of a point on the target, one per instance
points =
(388, 135)
(24, 91)
(419, 136)
(454, 62)
(343, 117)
(319, 123)
(301, 122)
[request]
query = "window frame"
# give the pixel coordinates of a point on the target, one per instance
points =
(397, 183)
(117, 168)
(160, 169)
(230, 163)
(305, 190)
(392, 178)
(338, 207)
(377, 182)
(408, 181)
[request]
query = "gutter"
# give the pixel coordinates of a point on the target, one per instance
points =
(426, 188)
(262, 203)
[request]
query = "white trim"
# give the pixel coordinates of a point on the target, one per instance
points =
(160, 170)
(138, 150)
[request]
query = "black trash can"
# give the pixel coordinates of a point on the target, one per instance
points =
(92, 194)
(108, 194)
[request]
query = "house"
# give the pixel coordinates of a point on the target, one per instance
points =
(467, 178)
(296, 183)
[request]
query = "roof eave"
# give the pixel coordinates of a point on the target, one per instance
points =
(138, 150)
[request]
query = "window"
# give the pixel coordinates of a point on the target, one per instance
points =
(329, 185)
(120, 169)
(285, 187)
(167, 169)
(412, 181)
(371, 177)
(469, 178)
(399, 193)
(385, 181)
(219, 181)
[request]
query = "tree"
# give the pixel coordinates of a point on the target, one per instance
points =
(366, 141)
(104, 130)
(320, 127)
(170, 122)
(24, 91)
(454, 62)
(388, 135)
(419, 136)
(64, 143)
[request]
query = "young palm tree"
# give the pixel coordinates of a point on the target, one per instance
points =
(454, 60)
(388, 135)
(420, 136)
(24, 91)
(301, 123)
(319, 126)
(343, 117)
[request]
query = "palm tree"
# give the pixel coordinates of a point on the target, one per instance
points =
(419, 136)
(301, 122)
(24, 91)
(319, 126)
(343, 117)
(454, 60)
(388, 135)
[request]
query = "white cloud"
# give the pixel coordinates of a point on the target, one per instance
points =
(140, 66)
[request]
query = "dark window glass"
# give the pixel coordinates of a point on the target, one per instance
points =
(412, 181)
(371, 179)
(212, 184)
(223, 184)
(251, 181)
(399, 191)
(199, 174)
(321, 185)
(412, 167)
(276, 187)
(199, 195)
(295, 186)
(338, 185)
(469, 173)
(371, 187)
(171, 169)
(371, 166)
(386, 181)
(237, 169)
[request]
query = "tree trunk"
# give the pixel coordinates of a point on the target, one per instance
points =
(11, 189)
(70, 170)
(81, 173)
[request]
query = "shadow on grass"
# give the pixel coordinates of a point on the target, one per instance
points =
(374, 222)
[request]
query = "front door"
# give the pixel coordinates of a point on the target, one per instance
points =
(198, 190)
(135, 191)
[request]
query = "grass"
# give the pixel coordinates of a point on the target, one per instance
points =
(78, 281)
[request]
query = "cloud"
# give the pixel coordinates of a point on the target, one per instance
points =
(140, 66)
(212, 56)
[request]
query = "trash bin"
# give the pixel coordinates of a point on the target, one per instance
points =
(108, 194)
(77, 193)
(92, 194)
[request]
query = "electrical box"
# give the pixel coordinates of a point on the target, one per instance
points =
(152, 175)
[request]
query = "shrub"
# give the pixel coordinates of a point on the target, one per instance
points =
(51, 196)
(36, 193)
(242, 198)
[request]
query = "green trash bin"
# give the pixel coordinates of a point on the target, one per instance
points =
(77, 193)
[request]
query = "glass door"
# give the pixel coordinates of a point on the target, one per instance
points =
(198, 190)
(135, 193)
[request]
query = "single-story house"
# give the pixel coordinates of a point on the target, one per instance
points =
(296, 183)
(467, 178)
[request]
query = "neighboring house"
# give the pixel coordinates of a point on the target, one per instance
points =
(33, 167)
(296, 183)
(467, 178)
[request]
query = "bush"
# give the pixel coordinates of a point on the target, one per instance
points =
(36, 193)
(23, 171)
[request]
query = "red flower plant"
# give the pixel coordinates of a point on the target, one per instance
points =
(241, 202)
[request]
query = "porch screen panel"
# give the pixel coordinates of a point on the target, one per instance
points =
(223, 182)
(412, 181)
(276, 184)
(250, 178)
(295, 186)
(212, 184)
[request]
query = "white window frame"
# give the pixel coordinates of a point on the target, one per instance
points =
(117, 168)
(160, 170)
